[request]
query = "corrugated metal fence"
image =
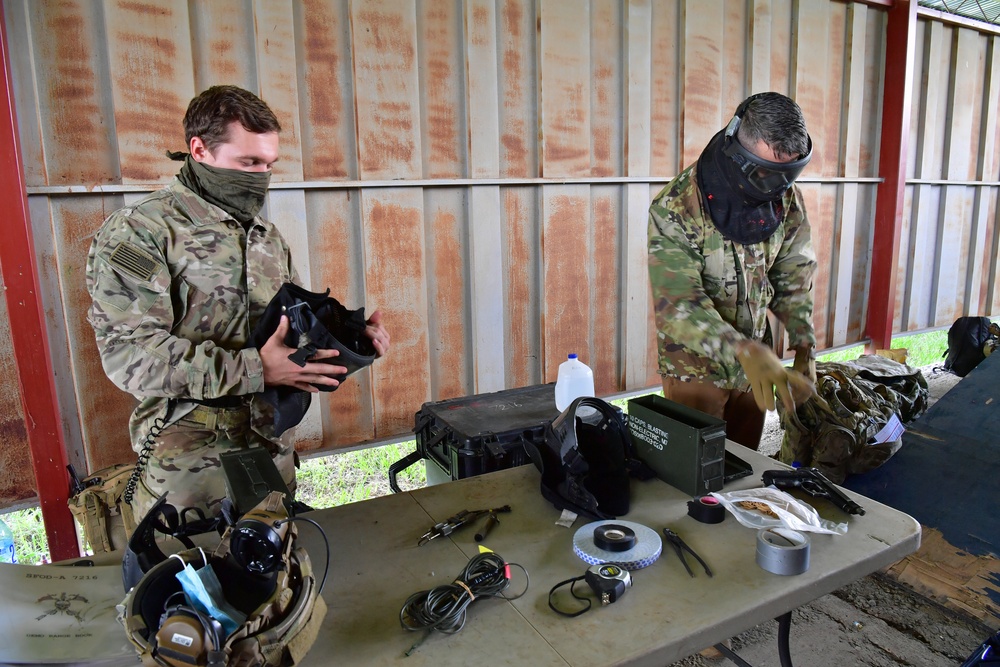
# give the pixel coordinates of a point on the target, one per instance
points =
(480, 171)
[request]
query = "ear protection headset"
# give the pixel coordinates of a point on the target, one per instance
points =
(258, 539)
(189, 637)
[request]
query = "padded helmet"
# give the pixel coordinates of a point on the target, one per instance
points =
(586, 460)
(283, 606)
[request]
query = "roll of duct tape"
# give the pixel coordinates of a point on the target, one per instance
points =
(783, 551)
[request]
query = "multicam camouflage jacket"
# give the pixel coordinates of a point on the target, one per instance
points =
(177, 286)
(709, 293)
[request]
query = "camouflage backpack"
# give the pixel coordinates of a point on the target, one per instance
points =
(836, 432)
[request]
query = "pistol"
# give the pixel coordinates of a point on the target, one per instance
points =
(813, 482)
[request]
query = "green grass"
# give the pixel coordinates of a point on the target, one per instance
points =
(921, 349)
(339, 479)
(348, 477)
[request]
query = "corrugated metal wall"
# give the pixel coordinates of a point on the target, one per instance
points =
(479, 170)
(948, 247)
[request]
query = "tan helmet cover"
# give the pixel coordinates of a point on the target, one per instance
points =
(278, 632)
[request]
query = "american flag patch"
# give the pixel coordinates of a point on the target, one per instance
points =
(135, 261)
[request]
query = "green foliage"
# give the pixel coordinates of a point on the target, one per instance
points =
(31, 547)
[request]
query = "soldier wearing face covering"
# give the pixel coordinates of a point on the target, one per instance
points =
(178, 281)
(728, 240)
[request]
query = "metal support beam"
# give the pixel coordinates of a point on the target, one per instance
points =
(27, 329)
(901, 27)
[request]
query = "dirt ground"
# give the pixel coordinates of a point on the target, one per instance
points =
(873, 622)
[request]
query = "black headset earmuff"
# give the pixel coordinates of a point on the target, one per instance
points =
(257, 542)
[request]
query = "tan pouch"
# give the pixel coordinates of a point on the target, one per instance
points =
(106, 520)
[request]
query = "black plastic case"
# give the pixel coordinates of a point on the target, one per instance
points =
(473, 435)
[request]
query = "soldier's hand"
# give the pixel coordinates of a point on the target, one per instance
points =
(280, 370)
(379, 336)
(766, 375)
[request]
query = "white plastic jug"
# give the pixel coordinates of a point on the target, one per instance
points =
(575, 380)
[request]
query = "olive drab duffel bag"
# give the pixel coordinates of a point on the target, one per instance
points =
(836, 432)
(272, 607)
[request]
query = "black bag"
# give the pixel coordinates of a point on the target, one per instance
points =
(967, 338)
(317, 321)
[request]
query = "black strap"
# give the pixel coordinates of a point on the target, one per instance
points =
(572, 583)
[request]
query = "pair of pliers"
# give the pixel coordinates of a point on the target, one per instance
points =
(450, 525)
(680, 547)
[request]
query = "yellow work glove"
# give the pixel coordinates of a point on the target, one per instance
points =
(805, 361)
(767, 376)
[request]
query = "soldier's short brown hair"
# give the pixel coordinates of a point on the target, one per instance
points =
(210, 114)
(778, 121)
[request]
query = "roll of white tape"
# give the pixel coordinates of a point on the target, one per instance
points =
(783, 551)
(645, 552)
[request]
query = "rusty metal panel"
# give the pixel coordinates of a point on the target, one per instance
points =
(384, 48)
(607, 112)
(702, 112)
(329, 147)
(567, 276)
(665, 81)
(442, 74)
(335, 244)
(17, 480)
(518, 89)
(961, 135)
(152, 80)
(522, 243)
(395, 277)
(222, 33)
(106, 408)
(276, 61)
(606, 209)
(449, 274)
(564, 105)
(73, 110)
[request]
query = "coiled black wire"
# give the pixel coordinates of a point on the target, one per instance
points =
(443, 608)
(148, 445)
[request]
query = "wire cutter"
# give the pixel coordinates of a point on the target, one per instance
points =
(680, 547)
(450, 525)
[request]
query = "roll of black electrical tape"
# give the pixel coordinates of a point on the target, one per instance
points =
(706, 509)
(612, 537)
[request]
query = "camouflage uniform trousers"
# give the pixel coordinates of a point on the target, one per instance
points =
(185, 460)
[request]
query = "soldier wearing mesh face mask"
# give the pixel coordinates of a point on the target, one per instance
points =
(178, 281)
(728, 240)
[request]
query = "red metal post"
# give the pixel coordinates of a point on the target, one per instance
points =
(901, 27)
(27, 328)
